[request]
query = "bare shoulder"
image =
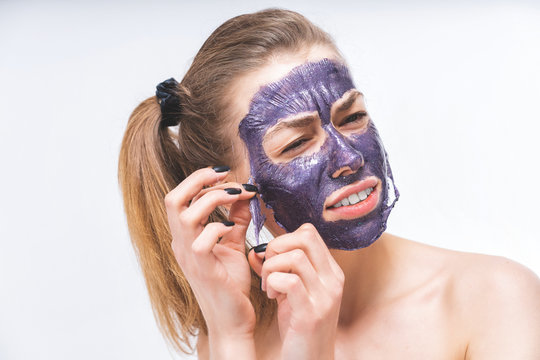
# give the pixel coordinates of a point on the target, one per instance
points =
(500, 301)
(472, 274)
(492, 283)
(495, 302)
(502, 275)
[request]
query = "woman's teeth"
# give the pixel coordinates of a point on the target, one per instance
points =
(354, 198)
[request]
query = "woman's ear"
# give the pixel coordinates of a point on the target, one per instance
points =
(256, 261)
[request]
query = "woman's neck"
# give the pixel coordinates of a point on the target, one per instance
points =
(368, 273)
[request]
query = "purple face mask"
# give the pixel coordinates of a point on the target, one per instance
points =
(298, 191)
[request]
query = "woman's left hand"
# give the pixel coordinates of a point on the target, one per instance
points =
(301, 274)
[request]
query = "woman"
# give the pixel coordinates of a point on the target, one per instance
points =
(269, 95)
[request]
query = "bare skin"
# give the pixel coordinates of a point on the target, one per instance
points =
(396, 299)
(422, 302)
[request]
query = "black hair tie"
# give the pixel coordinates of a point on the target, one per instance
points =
(169, 102)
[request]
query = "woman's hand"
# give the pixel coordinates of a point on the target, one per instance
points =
(217, 270)
(302, 275)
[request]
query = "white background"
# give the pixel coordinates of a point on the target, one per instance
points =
(453, 89)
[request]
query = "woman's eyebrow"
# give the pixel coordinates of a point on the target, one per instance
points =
(298, 121)
(349, 100)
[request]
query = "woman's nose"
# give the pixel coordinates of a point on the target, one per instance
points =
(344, 159)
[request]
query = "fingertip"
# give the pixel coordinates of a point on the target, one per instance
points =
(257, 256)
(233, 191)
(247, 195)
(260, 248)
(207, 176)
(221, 168)
(255, 261)
(227, 226)
(250, 188)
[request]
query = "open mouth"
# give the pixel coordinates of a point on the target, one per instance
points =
(353, 201)
(355, 198)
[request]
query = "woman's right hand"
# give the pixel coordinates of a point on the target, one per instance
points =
(217, 270)
(299, 272)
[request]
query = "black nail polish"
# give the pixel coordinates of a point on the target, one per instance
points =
(228, 223)
(260, 248)
(233, 191)
(250, 187)
(221, 168)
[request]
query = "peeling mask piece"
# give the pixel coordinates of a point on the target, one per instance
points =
(301, 190)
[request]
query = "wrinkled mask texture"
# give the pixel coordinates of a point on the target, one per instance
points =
(296, 190)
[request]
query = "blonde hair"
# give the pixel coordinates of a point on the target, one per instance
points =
(154, 159)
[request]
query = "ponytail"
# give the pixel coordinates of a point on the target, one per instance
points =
(149, 167)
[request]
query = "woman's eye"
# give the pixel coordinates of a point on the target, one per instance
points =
(356, 117)
(294, 145)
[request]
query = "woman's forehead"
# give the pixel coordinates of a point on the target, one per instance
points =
(308, 87)
(241, 92)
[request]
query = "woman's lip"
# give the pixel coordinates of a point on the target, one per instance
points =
(357, 210)
(348, 190)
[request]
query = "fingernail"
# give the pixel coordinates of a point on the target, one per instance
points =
(260, 248)
(221, 168)
(250, 187)
(233, 191)
(228, 223)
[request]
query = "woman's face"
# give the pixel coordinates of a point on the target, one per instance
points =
(314, 152)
